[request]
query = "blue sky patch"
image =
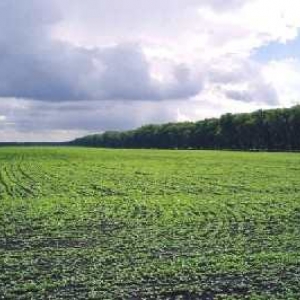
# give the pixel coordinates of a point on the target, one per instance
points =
(278, 51)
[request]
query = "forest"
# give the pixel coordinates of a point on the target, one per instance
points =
(273, 130)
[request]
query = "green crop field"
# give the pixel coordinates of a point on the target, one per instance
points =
(80, 223)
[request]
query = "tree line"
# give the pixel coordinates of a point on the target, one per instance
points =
(276, 129)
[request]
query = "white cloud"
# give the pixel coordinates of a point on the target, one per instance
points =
(255, 24)
(284, 75)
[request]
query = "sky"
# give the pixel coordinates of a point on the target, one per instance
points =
(70, 67)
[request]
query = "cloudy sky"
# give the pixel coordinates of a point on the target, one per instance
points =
(72, 67)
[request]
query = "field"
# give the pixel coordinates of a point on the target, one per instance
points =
(81, 223)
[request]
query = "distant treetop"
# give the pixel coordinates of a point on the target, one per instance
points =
(276, 129)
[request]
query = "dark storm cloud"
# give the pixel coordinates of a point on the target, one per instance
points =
(35, 116)
(37, 67)
(126, 75)
(243, 82)
(255, 92)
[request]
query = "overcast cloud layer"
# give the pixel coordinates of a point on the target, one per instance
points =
(71, 67)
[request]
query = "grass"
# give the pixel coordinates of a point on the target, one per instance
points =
(144, 224)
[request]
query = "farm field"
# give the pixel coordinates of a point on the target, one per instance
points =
(80, 223)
